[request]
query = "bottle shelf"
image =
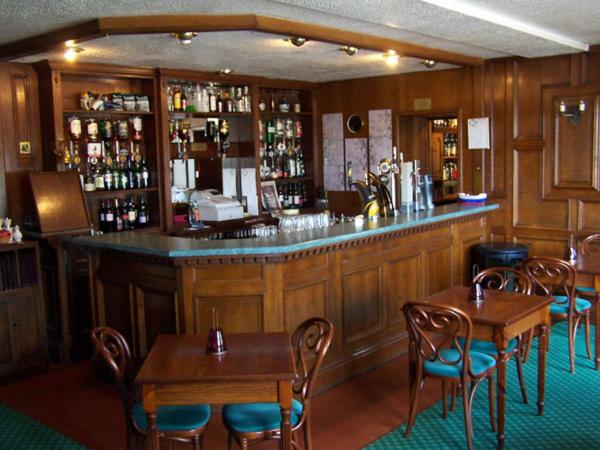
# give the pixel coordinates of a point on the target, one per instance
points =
(107, 113)
(181, 114)
(445, 130)
(451, 157)
(117, 192)
(283, 114)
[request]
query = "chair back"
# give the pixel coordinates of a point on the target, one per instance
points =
(434, 328)
(113, 348)
(552, 276)
(504, 279)
(310, 341)
(591, 245)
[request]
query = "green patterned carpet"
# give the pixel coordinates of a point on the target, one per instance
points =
(570, 419)
(20, 432)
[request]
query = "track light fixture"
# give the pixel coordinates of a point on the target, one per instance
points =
(429, 63)
(184, 38)
(225, 71)
(297, 40)
(71, 50)
(349, 50)
(572, 112)
(391, 57)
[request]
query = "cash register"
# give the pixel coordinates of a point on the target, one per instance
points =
(215, 207)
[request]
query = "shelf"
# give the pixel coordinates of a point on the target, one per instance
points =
(178, 114)
(284, 114)
(290, 180)
(107, 113)
(116, 192)
(451, 157)
(445, 130)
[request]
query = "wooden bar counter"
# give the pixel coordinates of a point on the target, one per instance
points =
(359, 276)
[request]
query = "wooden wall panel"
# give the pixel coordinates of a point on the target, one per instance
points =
(362, 304)
(157, 312)
(303, 303)
(237, 314)
(19, 123)
(439, 269)
(404, 284)
(527, 99)
(442, 87)
(588, 217)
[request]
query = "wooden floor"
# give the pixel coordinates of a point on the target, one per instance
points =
(347, 417)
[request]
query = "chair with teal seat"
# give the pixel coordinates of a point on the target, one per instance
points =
(435, 352)
(175, 423)
(589, 246)
(250, 423)
(556, 278)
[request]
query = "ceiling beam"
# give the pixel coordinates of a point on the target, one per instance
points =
(207, 23)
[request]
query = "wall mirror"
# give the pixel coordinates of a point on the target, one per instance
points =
(354, 123)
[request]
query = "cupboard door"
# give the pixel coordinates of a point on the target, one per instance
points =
(24, 314)
(7, 353)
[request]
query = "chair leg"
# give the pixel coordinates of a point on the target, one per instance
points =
(467, 413)
(244, 444)
(491, 386)
(571, 332)
(196, 442)
(521, 377)
(307, 433)
(413, 407)
(444, 399)
(528, 338)
(588, 342)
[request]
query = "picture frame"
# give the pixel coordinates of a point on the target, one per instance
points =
(269, 195)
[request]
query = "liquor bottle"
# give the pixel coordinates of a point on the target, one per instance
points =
(280, 194)
(272, 104)
(88, 181)
(197, 98)
(239, 100)
(292, 163)
(300, 167)
(118, 218)
(131, 214)
(205, 101)
(116, 176)
(137, 125)
(108, 176)
(212, 99)
(109, 215)
(98, 178)
(145, 174)
(106, 135)
(297, 196)
(102, 217)
(220, 100)
(92, 139)
(74, 135)
(143, 217)
(286, 197)
(262, 105)
(184, 99)
(124, 215)
(176, 98)
(247, 100)
(169, 98)
(131, 177)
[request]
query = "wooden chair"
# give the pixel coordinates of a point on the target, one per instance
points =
(437, 353)
(175, 423)
(251, 423)
(556, 278)
(589, 246)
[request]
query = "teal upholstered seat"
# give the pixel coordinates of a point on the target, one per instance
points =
(253, 417)
(586, 289)
(174, 418)
(487, 347)
(562, 307)
(480, 363)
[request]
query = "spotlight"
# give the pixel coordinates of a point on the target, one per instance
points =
(297, 40)
(184, 38)
(225, 71)
(349, 50)
(429, 63)
(71, 50)
(391, 57)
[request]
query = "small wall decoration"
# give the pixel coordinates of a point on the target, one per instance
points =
(24, 148)
(479, 133)
(270, 198)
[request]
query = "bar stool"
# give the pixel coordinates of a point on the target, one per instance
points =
(498, 254)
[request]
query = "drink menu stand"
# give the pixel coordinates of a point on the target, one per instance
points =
(61, 214)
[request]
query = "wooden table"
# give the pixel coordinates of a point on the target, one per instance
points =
(502, 317)
(258, 367)
(590, 265)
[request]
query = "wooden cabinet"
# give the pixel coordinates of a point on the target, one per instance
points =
(118, 152)
(445, 157)
(23, 339)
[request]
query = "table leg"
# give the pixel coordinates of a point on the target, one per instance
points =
(501, 396)
(542, 351)
(285, 404)
(150, 407)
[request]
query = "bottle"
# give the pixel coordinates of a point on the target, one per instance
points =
(296, 196)
(272, 104)
(247, 100)
(262, 106)
(124, 215)
(98, 178)
(176, 98)
(108, 176)
(169, 98)
(145, 175)
(183, 100)
(212, 99)
(205, 106)
(292, 164)
(17, 236)
(102, 217)
(137, 126)
(131, 176)
(280, 194)
(197, 98)
(110, 218)
(131, 214)
(143, 215)
(88, 182)
(286, 197)
(117, 176)
(118, 217)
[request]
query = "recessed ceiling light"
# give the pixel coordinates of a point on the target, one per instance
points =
(391, 57)
(297, 40)
(429, 63)
(184, 38)
(225, 71)
(71, 51)
(349, 50)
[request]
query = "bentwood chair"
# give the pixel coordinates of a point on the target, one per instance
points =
(589, 246)
(175, 423)
(250, 423)
(555, 277)
(436, 353)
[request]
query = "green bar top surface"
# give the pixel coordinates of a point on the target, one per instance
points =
(183, 247)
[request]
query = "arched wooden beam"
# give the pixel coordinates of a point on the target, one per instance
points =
(205, 23)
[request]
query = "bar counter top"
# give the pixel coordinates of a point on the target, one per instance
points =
(177, 247)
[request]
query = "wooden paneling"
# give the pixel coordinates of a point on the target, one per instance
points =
(404, 284)
(237, 314)
(439, 268)
(6, 349)
(303, 303)
(19, 124)
(362, 304)
(156, 314)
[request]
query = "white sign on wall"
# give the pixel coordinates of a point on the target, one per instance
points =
(478, 130)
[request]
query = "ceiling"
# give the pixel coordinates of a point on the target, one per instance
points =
(256, 53)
